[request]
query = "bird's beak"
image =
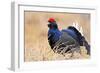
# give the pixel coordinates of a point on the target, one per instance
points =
(48, 25)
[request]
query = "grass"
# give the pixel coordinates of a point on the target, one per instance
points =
(42, 52)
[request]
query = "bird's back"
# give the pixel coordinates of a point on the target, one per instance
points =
(70, 33)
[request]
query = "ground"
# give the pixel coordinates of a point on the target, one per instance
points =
(48, 54)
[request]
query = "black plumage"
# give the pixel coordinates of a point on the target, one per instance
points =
(66, 39)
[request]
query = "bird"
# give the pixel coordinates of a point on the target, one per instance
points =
(65, 40)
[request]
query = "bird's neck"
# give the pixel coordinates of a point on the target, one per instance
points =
(54, 29)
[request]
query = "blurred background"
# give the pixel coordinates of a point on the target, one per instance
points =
(36, 30)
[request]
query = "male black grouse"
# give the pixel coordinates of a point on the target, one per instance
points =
(66, 39)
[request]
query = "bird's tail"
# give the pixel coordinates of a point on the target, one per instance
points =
(81, 37)
(80, 29)
(87, 46)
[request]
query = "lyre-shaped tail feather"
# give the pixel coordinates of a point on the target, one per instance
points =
(85, 43)
(79, 28)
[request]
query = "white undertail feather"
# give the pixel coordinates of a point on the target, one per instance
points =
(74, 25)
(79, 28)
(81, 31)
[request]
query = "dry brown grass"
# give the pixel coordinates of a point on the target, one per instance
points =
(47, 54)
(36, 42)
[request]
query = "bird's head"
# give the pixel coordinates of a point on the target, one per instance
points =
(52, 24)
